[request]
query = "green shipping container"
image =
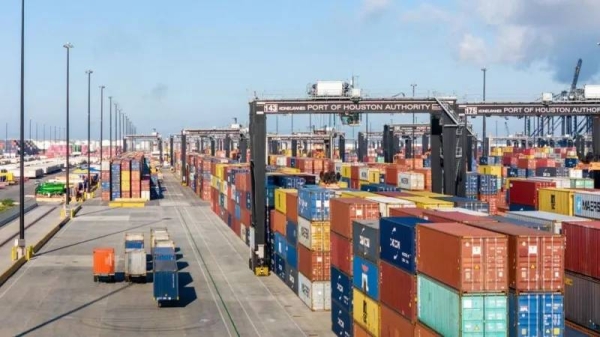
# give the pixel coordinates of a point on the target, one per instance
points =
(467, 315)
(582, 183)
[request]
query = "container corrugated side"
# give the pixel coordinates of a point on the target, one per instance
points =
(341, 288)
(399, 242)
(536, 314)
(135, 263)
(316, 295)
(387, 203)
(341, 320)
(583, 247)
(465, 258)
(555, 200)
(366, 312)
(582, 301)
(365, 240)
(341, 253)
(544, 218)
(346, 210)
(314, 235)
(398, 290)
(586, 204)
(451, 314)
(392, 324)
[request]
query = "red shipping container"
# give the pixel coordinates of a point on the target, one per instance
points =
(394, 194)
(125, 165)
(582, 255)
(525, 192)
(341, 252)
(466, 258)
(104, 175)
(246, 217)
(277, 222)
(545, 162)
(536, 257)
(355, 184)
(318, 166)
(344, 210)
(316, 266)
(422, 330)
(404, 212)
(394, 325)
(355, 172)
(291, 206)
(525, 163)
(391, 174)
(398, 290)
(437, 216)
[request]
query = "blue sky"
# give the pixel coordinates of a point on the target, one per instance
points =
(196, 63)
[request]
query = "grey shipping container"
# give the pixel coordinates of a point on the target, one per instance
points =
(582, 301)
(544, 218)
(135, 264)
(365, 239)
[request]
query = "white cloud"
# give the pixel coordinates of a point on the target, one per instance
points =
(472, 49)
(427, 12)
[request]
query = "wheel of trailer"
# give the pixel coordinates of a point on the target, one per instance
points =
(127, 279)
(95, 278)
(159, 303)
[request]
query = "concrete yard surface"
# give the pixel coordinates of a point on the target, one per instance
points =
(55, 294)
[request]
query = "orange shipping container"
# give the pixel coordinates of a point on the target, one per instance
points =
(277, 222)
(465, 258)
(345, 210)
(104, 261)
(316, 266)
(421, 330)
(394, 325)
(291, 206)
(360, 332)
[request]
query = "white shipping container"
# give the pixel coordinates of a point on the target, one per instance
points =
(363, 173)
(134, 237)
(145, 195)
(387, 203)
(552, 220)
(462, 210)
(411, 181)
(164, 243)
(547, 97)
(243, 232)
(561, 182)
(337, 166)
(586, 204)
(316, 295)
(135, 263)
(591, 91)
(281, 161)
(160, 236)
(575, 173)
(105, 166)
(233, 190)
(330, 88)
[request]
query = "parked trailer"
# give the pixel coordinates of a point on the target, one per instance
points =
(166, 281)
(158, 234)
(135, 264)
(134, 241)
(104, 264)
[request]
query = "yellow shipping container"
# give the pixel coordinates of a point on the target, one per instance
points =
(365, 312)
(508, 149)
(224, 187)
(288, 153)
(556, 200)
(125, 175)
(314, 235)
(374, 176)
(214, 182)
(346, 171)
(428, 203)
(288, 170)
(220, 169)
(358, 194)
(493, 170)
(426, 194)
(342, 184)
(281, 196)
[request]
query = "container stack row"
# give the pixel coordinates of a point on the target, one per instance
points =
(127, 176)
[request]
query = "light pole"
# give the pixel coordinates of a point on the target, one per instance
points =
(89, 186)
(44, 142)
(67, 46)
(101, 121)
(485, 142)
(22, 136)
(110, 153)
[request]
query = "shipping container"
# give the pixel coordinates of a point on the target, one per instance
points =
(316, 295)
(359, 331)
(165, 281)
(536, 314)
(474, 205)
(104, 263)
(365, 239)
(428, 203)
(366, 277)
(280, 266)
(586, 204)
(546, 219)
(525, 192)
(394, 325)
(135, 264)
(313, 203)
(452, 314)
(555, 200)
(465, 258)
(583, 247)
(134, 241)
(411, 181)
(341, 321)
(365, 312)
(537, 258)
(291, 231)
(387, 203)
(291, 255)
(341, 288)
(453, 216)
(422, 330)
(316, 266)
(341, 253)
(346, 210)
(315, 235)
(291, 278)
(399, 241)
(407, 212)
(398, 290)
(163, 253)
(582, 301)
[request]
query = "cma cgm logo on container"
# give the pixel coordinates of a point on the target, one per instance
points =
(395, 244)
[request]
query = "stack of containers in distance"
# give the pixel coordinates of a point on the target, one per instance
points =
(365, 277)
(314, 254)
(239, 178)
(115, 179)
(535, 278)
(343, 212)
(136, 177)
(523, 194)
(462, 280)
(582, 276)
(472, 185)
(398, 275)
(146, 178)
(488, 191)
(105, 180)
(126, 178)
(205, 178)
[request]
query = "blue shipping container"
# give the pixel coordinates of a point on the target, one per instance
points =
(291, 232)
(280, 244)
(313, 203)
(488, 184)
(280, 266)
(341, 321)
(134, 244)
(365, 277)
(163, 254)
(341, 289)
(571, 162)
(536, 315)
(166, 281)
(291, 256)
(517, 207)
(398, 241)
(512, 172)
